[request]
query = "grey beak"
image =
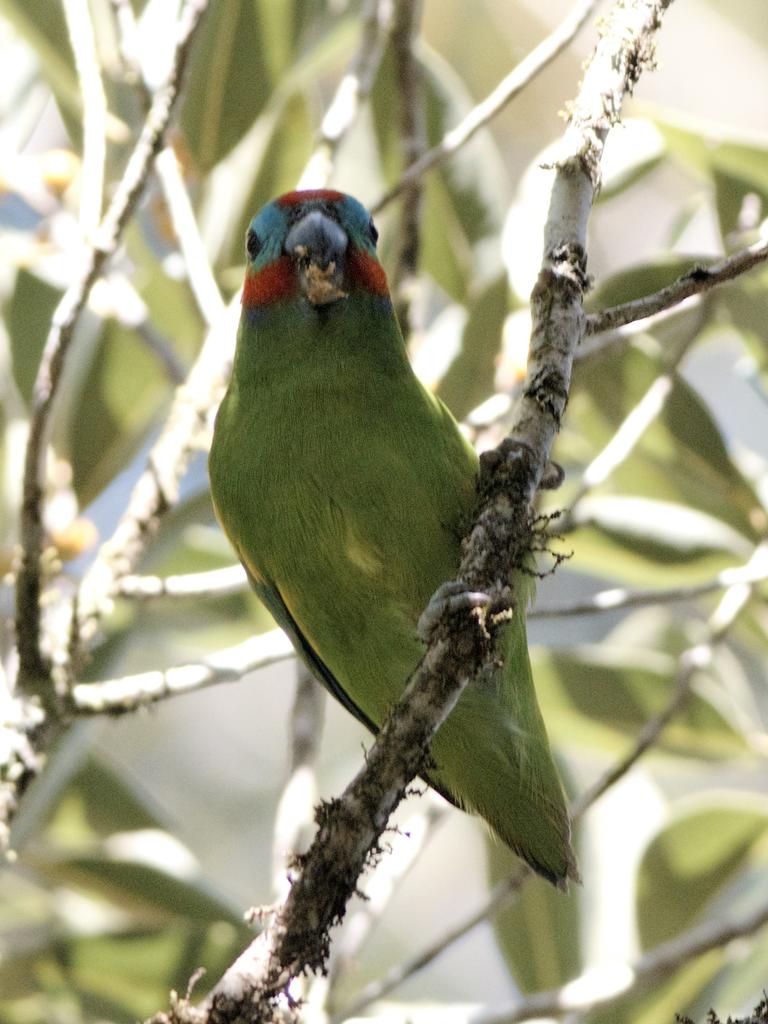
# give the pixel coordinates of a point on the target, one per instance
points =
(317, 239)
(318, 245)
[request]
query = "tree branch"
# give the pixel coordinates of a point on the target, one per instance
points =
(495, 901)
(83, 42)
(199, 271)
(117, 696)
(351, 93)
(404, 846)
(157, 488)
(212, 583)
(413, 140)
(618, 597)
(696, 281)
(297, 938)
(691, 661)
(520, 76)
(604, 987)
(630, 431)
(28, 727)
(34, 670)
(294, 817)
(24, 733)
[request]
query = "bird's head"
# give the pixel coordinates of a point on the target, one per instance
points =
(317, 246)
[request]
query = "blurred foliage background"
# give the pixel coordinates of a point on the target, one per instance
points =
(148, 835)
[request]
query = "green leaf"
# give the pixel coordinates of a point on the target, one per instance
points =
(96, 803)
(128, 974)
(474, 177)
(445, 253)
(731, 192)
(464, 201)
(283, 26)
(634, 149)
(599, 696)
(662, 531)
(111, 412)
(152, 894)
(699, 854)
(681, 457)
(273, 168)
(469, 379)
(117, 383)
(538, 933)
(706, 148)
(744, 986)
(28, 317)
(228, 81)
(662, 999)
(640, 280)
(735, 168)
(43, 26)
(746, 302)
(172, 310)
(618, 555)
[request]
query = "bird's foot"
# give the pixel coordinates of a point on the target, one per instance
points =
(452, 596)
(552, 477)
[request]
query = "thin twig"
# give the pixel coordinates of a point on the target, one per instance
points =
(695, 281)
(520, 76)
(294, 818)
(213, 583)
(413, 142)
(199, 271)
(156, 490)
(603, 987)
(198, 266)
(351, 93)
(34, 670)
(403, 849)
(691, 661)
(623, 336)
(619, 597)
(162, 350)
(498, 898)
(117, 696)
(127, 40)
(83, 42)
(630, 431)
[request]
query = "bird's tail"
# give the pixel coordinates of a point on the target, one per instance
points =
(492, 756)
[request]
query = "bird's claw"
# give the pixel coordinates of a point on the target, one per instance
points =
(452, 596)
(552, 477)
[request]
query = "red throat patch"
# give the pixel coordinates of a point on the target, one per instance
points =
(367, 273)
(274, 282)
(309, 195)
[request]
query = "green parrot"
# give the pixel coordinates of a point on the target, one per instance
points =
(345, 488)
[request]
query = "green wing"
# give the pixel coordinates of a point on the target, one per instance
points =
(270, 595)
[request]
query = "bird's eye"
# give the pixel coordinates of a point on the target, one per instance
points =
(373, 232)
(252, 244)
